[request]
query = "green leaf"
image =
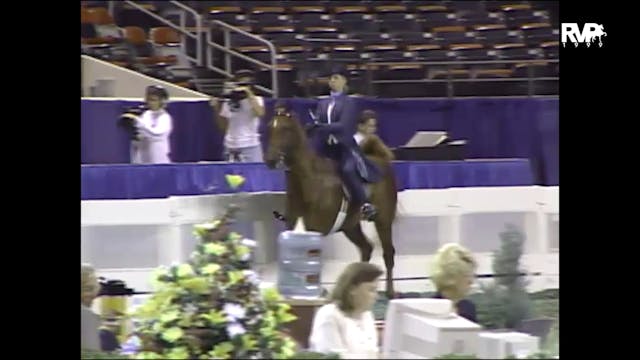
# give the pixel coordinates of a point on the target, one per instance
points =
(222, 350)
(180, 353)
(173, 334)
(283, 314)
(248, 342)
(148, 355)
(215, 317)
(215, 249)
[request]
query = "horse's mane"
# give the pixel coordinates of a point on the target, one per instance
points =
(373, 146)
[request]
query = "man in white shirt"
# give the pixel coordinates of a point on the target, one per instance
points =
(239, 118)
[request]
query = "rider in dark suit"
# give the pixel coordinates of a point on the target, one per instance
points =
(333, 128)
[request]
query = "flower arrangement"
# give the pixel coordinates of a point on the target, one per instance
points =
(212, 307)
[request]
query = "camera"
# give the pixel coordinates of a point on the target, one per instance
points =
(233, 94)
(127, 121)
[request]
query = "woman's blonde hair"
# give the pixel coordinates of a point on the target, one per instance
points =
(451, 262)
(89, 286)
(353, 275)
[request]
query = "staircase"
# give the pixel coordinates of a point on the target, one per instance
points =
(205, 53)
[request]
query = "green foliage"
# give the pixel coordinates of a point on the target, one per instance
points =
(315, 355)
(505, 302)
(212, 307)
(99, 355)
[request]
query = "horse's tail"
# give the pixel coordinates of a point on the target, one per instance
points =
(373, 146)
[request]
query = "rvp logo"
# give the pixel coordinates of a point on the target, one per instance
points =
(589, 33)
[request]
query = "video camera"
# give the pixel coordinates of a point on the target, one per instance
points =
(232, 92)
(127, 119)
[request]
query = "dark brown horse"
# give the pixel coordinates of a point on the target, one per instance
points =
(315, 191)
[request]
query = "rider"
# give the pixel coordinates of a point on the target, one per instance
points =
(334, 127)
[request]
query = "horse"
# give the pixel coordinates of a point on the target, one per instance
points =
(315, 191)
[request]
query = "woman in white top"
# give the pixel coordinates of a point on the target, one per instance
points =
(153, 128)
(346, 325)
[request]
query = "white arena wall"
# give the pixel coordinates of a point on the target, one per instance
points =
(127, 239)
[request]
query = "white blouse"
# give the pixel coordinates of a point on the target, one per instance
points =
(334, 331)
(154, 129)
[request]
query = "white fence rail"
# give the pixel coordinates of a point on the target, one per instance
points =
(126, 239)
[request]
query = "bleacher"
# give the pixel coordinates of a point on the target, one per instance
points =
(393, 48)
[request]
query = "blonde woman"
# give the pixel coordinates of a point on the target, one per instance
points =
(346, 325)
(453, 272)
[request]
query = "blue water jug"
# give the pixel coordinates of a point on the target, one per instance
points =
(300, 264)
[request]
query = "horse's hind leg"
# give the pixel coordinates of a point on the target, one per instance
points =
(388, 252)
(359, 240)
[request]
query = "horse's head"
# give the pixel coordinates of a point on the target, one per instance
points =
(285, 138)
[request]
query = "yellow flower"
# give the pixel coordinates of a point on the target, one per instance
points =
(184, 270)
(201, 230)
(198, 285)
(271, 294)
(242, 250)
(235, 277)
(288, 348)
(169, 316)
(210, 269)
(215, 249)
(234, 181)
(173, 334)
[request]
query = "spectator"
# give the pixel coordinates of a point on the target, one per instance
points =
(150, 143)
(89, 321)
(346, 325)
(453, 274)
(239, 118)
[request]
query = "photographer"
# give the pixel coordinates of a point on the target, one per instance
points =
(149, 126)
(239, 118)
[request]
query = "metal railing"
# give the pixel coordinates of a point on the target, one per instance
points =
(182, 29)
(226, 49)
(228, 52)
(448, 66)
